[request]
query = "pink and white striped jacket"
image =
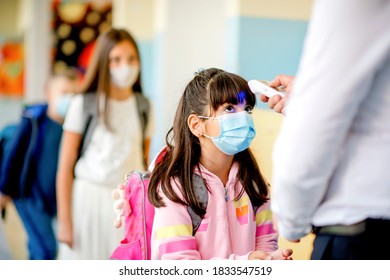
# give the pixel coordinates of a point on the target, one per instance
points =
(229, 230)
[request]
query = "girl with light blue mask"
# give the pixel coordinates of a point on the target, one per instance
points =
(210, 138)
(230, 125)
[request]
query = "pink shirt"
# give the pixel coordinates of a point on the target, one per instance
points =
(229, 230)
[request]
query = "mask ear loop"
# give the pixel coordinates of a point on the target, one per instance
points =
(203, 117)
(207, 136)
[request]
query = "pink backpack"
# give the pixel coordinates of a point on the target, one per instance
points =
(138, 224)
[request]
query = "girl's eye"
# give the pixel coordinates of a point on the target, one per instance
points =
(115, 59)
(229, 109)
(248, 109)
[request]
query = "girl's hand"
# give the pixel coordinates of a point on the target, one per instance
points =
(65, 233)
(282, 254)
(259, 255)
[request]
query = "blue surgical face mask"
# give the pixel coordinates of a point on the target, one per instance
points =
(63, 103)
(237, 132)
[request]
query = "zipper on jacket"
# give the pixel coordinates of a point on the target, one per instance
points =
(226, 194)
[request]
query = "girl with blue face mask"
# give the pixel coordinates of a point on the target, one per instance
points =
(210, 137)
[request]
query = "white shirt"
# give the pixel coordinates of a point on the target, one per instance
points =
(330, 161)
(111, 154)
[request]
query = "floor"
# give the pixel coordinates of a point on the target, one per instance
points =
(15, 234)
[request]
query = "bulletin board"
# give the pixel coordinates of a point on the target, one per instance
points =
(76, 25)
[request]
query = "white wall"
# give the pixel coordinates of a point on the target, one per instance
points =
(135, 15)
(37, 48)
(188, 35)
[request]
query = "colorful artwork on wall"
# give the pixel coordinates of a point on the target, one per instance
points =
(11, 68)
(76, 25)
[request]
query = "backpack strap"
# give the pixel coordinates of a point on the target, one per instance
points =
(7, 139)
(90, 120)
(143, 108)
(202, 195)
(6, 134)
(255, 207)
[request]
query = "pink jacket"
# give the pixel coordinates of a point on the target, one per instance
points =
(229, 230)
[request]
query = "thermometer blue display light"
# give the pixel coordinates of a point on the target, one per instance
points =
(261, 87)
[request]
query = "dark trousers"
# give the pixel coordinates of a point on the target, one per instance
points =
(372, 244)
(42, 242)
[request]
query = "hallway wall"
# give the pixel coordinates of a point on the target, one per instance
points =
(255, 39)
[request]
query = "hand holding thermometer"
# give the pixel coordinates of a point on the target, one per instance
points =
(261, 87)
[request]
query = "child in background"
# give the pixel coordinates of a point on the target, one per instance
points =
(119, 142)
(29, 165)
(212, 131)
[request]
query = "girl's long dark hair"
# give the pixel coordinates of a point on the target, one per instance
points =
(207, 90)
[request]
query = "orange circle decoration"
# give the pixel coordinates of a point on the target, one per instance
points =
(63, 31)
(93, 18)
(72, 12)
(68, 47)
(60, 66)
(87, 35)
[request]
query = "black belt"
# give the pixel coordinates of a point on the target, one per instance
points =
(368, 225)
(344, 230)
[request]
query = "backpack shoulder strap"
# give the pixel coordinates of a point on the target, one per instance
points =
(143, 108)
(202, 195)
(7, 136)
(255, 207)
(90, 120)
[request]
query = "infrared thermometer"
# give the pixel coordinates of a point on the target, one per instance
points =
(261, 87)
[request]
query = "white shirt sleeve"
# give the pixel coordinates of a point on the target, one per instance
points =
(344, 47)
(74, 121)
